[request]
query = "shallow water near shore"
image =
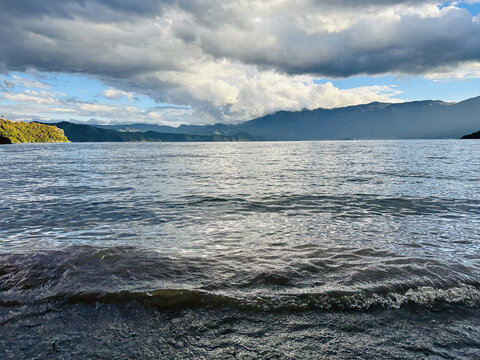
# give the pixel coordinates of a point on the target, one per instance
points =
(343, 249)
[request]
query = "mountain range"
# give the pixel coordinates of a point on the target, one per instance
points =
(88, 133)
(409, 120)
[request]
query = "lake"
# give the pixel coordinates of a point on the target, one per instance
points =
(343, 249)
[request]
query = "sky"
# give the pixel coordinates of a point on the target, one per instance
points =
(175, 62)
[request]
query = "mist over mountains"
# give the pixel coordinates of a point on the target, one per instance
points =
(410, 120)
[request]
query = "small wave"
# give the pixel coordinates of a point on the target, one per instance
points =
(363, 301)
(361, 279)
(179, 299)
(344, 205)
(166, 299)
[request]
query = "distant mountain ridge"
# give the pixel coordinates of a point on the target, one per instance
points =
(409, 120)
(87, 133)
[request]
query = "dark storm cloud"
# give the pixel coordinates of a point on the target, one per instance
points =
(32, 38)
(362, 3)
(69, 8)
(63, 7)
(410, 45)
(201, 53)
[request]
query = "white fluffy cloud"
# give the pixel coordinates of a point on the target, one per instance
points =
(115, 94)
(467, 71)
(242, 92)
(18, 80)
(275, 91)
(50, 106)
(32, 96)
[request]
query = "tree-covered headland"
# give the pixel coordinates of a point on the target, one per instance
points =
(12, 132)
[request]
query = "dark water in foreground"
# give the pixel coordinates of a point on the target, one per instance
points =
(355, 249)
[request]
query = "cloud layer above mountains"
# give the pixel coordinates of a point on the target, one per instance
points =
(232, 61)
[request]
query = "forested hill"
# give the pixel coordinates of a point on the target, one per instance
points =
(12, 132)
(87, 133)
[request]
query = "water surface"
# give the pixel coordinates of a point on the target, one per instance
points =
(347, 249)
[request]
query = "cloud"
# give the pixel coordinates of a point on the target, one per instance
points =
(399, 39)
(262, 93)
(241, 92)
(468, 71)
(31, 96)
(230, 61)
(115, 94)
(54, 106)
(28, 83)
(84, 8)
